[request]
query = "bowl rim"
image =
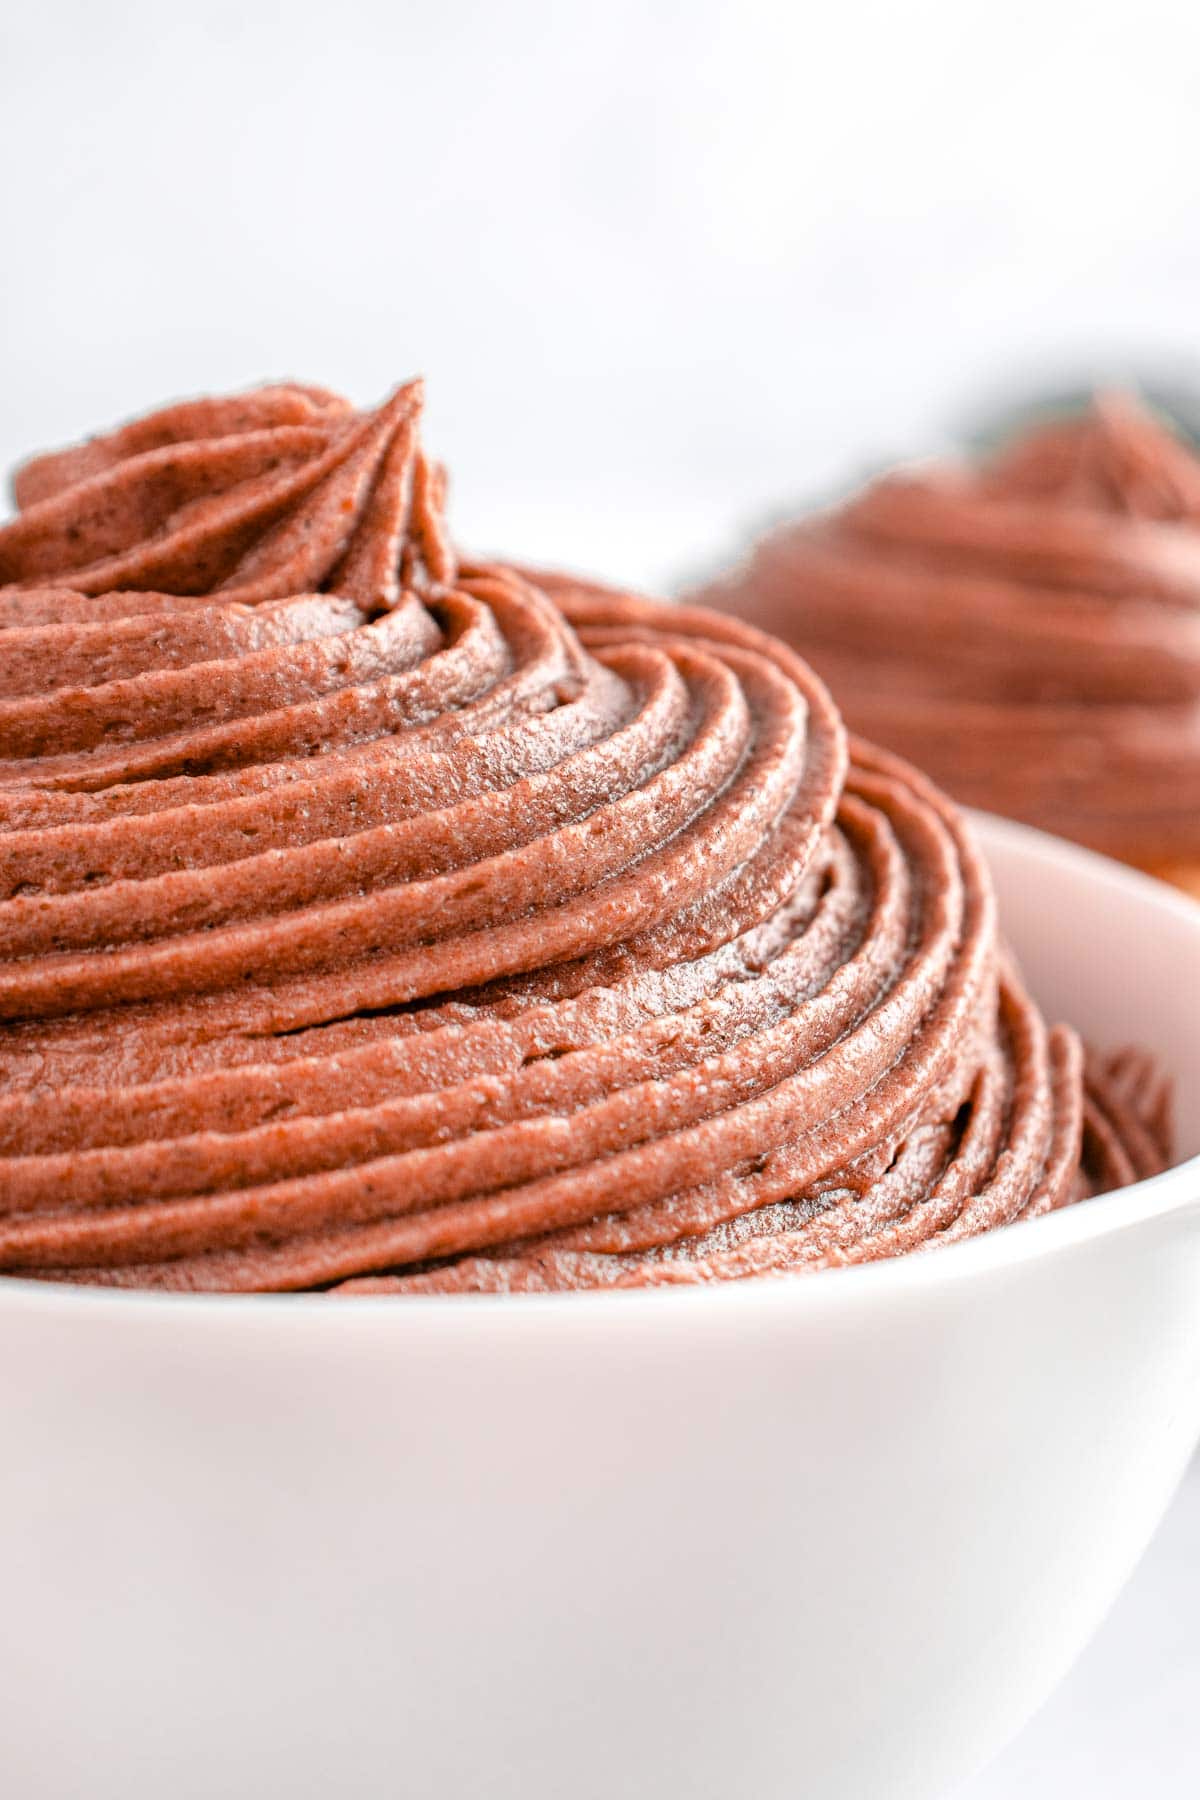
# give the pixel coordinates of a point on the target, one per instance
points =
(1176, 1189)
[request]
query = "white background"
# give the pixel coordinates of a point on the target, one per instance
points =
(666, 267)
(662, 263)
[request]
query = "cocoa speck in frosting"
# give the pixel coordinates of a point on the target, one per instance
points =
(375, 920)
(1026, 629)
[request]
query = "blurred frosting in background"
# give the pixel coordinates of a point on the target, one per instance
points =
(1024, 624)
(1169, 388)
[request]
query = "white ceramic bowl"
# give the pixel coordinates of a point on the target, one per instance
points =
(829, 1537)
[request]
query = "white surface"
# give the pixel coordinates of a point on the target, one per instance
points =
(664, 265)
(1124, 1724)
(851, 1527)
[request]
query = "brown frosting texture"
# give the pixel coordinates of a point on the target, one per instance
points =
(369, 920)
(1027, 630)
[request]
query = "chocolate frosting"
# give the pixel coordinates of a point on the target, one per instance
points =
(1027, 630)
(369, 919)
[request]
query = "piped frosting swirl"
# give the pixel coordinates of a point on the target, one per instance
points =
(375, 921)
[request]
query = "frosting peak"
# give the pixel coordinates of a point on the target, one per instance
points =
(267, 494)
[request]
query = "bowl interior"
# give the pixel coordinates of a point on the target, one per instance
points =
(1113, 952)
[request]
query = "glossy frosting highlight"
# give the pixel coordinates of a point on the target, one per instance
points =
(369, 919)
